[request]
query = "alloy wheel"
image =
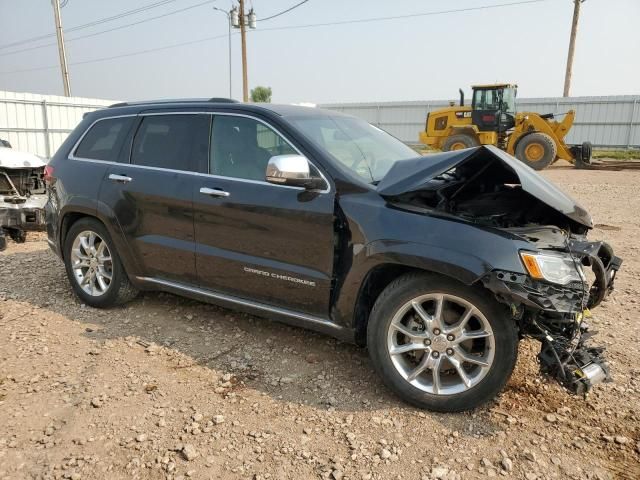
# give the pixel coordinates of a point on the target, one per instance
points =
(441, 344)
(91, 263)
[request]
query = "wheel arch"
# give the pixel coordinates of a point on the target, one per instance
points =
(469, 130)
(374, 283)
(70, 216)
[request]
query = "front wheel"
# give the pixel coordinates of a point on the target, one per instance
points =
(441, 345)
(537, 149)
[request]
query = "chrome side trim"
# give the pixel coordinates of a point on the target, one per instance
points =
(240, 301)
(213, 113)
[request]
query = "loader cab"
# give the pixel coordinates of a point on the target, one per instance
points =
(493, 107)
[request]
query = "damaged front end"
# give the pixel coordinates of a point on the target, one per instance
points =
(563, 275)
(22, 194)
(556, 314)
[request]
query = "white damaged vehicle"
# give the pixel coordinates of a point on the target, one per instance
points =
(22, 193)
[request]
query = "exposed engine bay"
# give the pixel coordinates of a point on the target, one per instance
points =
(22, 194)
(485, 186)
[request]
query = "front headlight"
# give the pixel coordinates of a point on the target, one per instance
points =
(556, 268)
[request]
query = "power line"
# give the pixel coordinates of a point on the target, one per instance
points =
(398, 17)
(110, 29)
(131, 54)
(284, 11)
(90, 24)
(290, 27)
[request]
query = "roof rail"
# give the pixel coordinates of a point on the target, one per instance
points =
(222, 100)
(181, 100)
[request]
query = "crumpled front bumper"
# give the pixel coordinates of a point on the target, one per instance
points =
(556, 315)
(571, 298)
(23, 215)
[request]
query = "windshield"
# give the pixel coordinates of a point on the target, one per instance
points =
(494, 99)
(362, 148)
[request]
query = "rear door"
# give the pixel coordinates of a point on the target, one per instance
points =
(151, 197)
(262, 242)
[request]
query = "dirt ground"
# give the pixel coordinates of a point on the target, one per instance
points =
(171, 388)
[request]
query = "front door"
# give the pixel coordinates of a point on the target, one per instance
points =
(152, 196)
(485, 111)
(267, 243)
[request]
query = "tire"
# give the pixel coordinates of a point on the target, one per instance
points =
(118, 289)
(583, 155)
(500, 350)
(537, 150)
(458, 142)
(17, 235)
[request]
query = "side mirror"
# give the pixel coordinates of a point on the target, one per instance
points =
(292, 170)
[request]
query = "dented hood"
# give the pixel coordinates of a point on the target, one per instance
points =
(415, 174)
(10, 158)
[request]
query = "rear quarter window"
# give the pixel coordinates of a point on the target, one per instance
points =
(104, 140)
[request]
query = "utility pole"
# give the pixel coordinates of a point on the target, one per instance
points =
(229, 42)
(61, 50)
(572, 47)
(245, 82)
(241, 20)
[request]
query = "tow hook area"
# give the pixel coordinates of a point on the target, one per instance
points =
(555, 315)
(566, 356)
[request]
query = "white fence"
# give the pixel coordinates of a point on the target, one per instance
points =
(612, 121)
(40, 123)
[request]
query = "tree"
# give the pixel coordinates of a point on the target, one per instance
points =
(261, 94)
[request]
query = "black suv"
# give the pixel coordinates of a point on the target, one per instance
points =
(438, 264)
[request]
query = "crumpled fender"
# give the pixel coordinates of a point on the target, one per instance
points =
(462, 266)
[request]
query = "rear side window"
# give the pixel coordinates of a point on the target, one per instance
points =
(177, 142)
(104, 139)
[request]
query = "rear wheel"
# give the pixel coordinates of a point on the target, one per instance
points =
(458, 142)
(538, 150)
(93, 266)
(441, 345)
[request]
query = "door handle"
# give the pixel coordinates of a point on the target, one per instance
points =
(120, 178)
(214, 192)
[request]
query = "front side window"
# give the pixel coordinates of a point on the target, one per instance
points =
(509, 100)
(104, 140)
(486, 100)
(177, 142)
(241, 147)
(365, 150)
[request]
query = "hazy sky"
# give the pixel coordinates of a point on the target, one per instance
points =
(417, 58)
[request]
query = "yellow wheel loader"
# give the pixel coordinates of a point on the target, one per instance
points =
(491, 119)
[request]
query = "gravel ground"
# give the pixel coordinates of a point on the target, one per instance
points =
(171, 388)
